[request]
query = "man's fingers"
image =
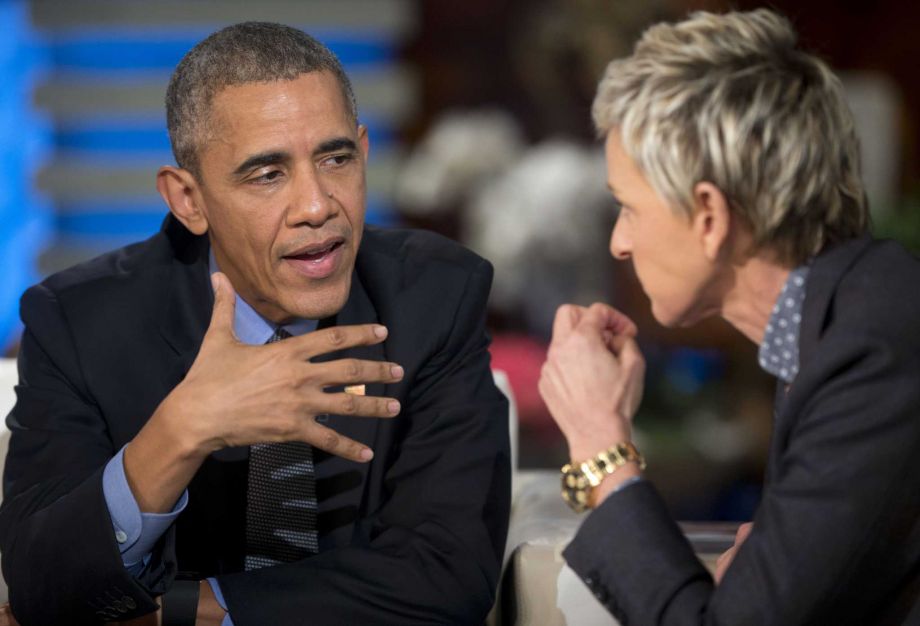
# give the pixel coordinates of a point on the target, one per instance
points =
(354, 404)
(333, 339)
(6, 616)
(224, 304)
(327, 439)
(351, 371)
(333, 442)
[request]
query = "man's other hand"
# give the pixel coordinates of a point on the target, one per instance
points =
(6, 616)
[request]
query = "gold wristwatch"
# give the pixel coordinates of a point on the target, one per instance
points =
(579, 480)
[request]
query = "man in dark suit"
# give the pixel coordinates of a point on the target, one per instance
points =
(734, 158)
(132, 479)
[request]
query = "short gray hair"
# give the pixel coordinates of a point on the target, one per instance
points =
(243, 53)
(729, 99)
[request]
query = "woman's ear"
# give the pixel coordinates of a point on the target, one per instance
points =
(712, 219)
(179, 190)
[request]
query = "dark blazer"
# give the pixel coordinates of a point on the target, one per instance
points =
(415, 536)
(836, 537)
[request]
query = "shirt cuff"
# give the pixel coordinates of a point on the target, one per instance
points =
(632, 480)
(219, 595)
(135, 532)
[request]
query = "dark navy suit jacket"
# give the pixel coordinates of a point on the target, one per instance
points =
(415, 536)
(836, 537)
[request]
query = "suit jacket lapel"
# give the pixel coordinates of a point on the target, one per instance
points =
(187, 306)
(341, 483)
(210, 535)
(826, 272)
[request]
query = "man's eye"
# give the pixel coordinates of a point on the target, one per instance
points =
(267, 177)
(337, 160)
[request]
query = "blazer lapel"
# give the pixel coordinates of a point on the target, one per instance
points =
(340, 483)
(187, 306)
(826, 272)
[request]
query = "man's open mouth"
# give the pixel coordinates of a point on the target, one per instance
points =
(319, 260)
(316, 252)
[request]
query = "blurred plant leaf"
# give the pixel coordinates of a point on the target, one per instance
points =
(901, 223)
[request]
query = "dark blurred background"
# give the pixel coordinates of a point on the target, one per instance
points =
(478, 113)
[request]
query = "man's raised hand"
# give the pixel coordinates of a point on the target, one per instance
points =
(237, 395)
(240, 394)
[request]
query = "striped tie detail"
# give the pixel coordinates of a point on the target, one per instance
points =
(280, 500)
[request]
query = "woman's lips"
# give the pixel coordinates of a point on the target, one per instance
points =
(319, 263)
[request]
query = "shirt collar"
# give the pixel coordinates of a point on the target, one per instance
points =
(779, 350)
(252, 328)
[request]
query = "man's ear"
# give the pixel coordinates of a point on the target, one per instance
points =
(363, 141)
(179, 190)
(712, 219)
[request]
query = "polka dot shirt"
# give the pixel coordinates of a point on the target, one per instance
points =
(779, 351)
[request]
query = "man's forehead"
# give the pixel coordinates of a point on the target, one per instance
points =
(256, 117)
(310, 90)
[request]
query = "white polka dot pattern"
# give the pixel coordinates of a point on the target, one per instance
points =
(779, 350)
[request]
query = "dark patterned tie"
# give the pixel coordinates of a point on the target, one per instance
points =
(280, 500)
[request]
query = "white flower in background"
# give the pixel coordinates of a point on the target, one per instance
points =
(460, 151)
(545, 224)
(541, 215)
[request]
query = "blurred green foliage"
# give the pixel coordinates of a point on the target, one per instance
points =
(901, 223)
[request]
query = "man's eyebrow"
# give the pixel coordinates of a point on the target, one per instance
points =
(333, 145)
(260, 160)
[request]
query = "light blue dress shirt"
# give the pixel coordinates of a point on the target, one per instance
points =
(137, 532)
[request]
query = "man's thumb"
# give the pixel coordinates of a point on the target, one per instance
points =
(224, 303)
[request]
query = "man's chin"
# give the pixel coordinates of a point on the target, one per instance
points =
(319, 304)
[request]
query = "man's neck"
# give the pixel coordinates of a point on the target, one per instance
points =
(251, 326)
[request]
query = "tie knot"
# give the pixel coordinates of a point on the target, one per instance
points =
(280, 334)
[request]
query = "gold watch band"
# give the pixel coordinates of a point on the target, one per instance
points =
(578, 480)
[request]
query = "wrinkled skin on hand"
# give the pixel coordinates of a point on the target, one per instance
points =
(593, 377)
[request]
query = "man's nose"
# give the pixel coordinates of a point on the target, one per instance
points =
(313, 202)
(620, 244)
